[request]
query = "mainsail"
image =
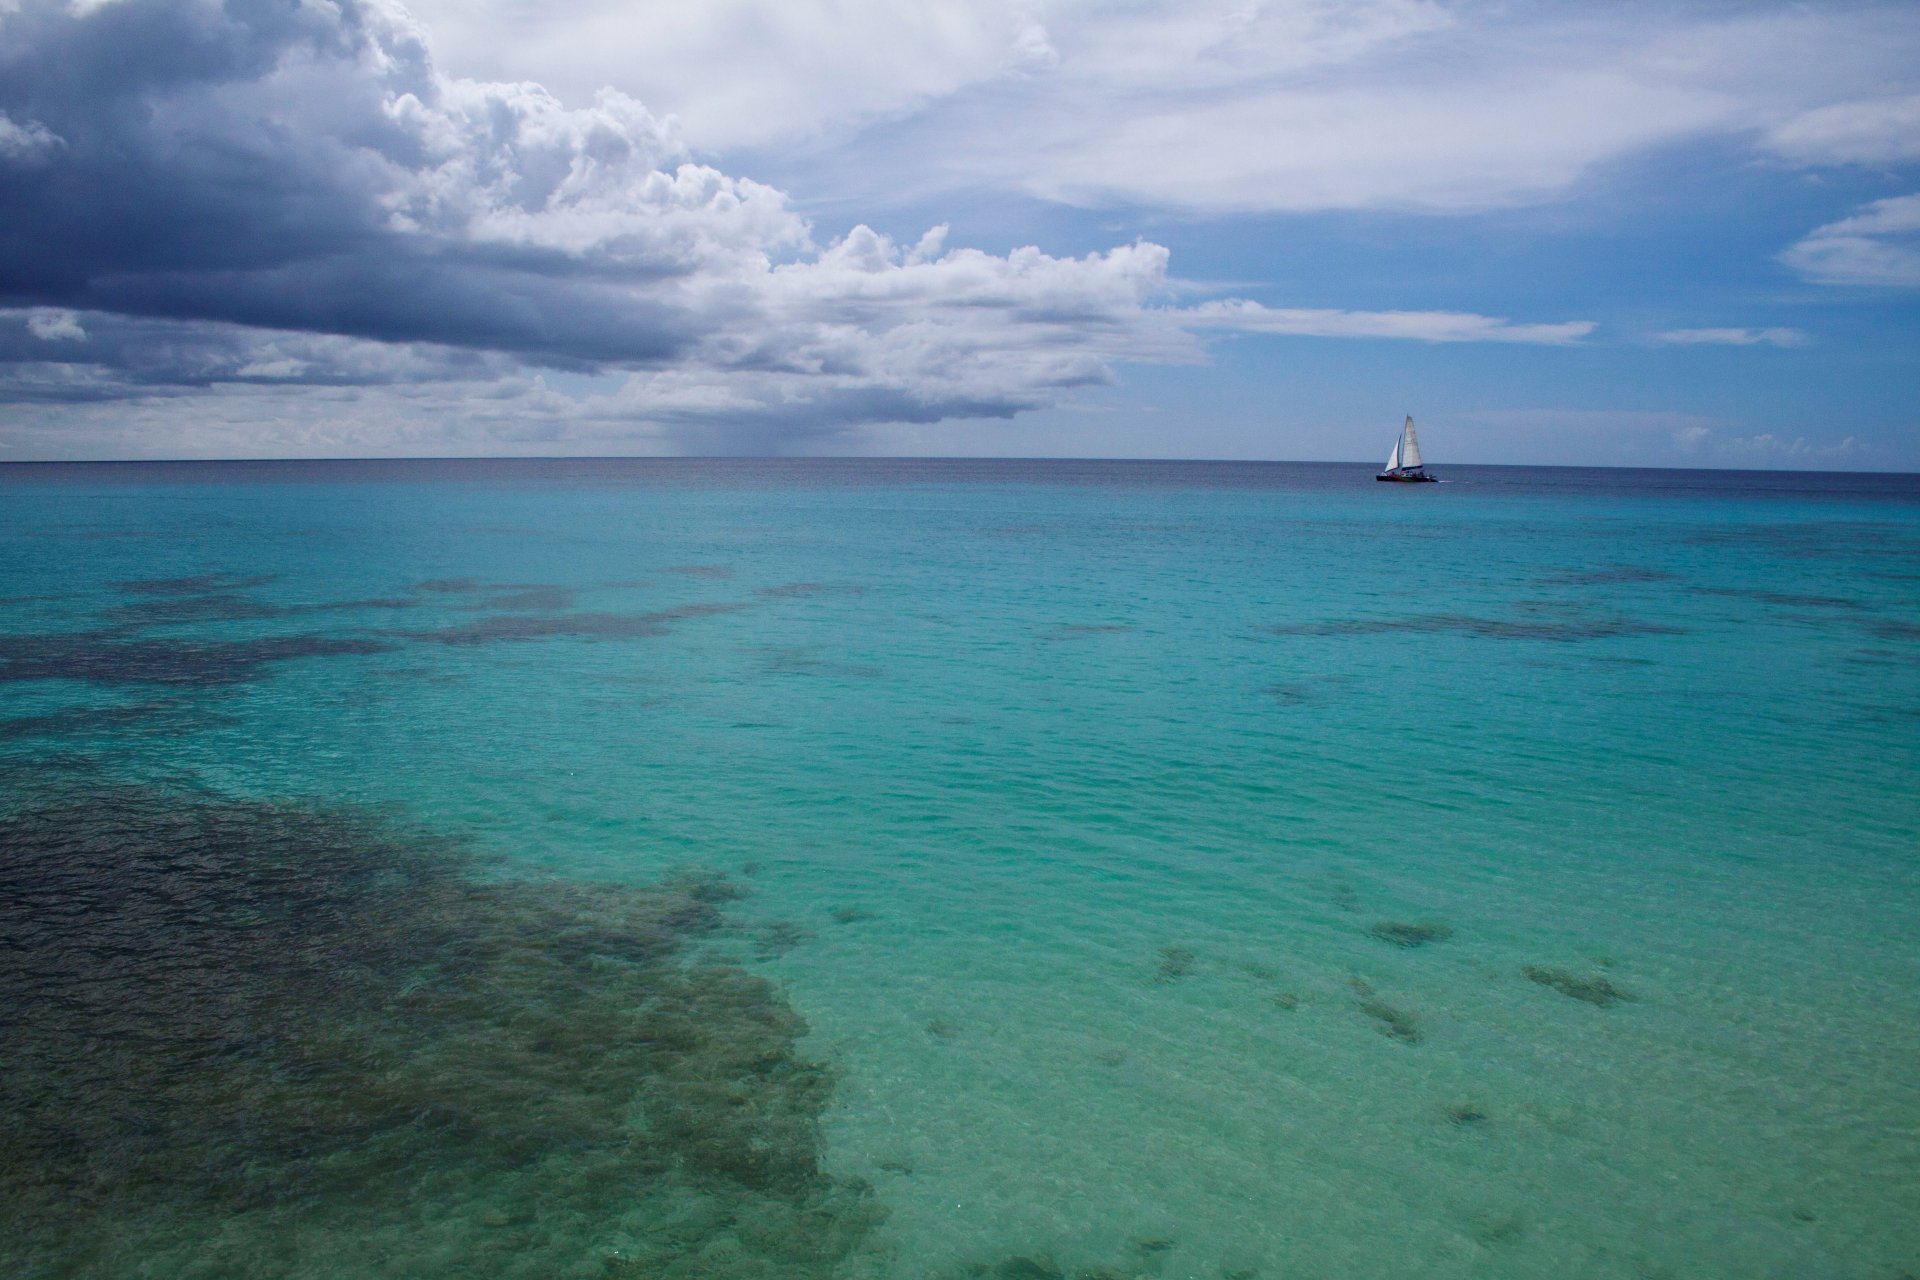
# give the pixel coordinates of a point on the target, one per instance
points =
(1403, 463)
(1407, 452)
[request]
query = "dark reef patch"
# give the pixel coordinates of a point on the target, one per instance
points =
(1483, 628)
(701, 570)
(113, 658)
(1592, 989)
(1144, 1259)
(1786, 599)
(1175, 963)
(248, 1039)
(516, 627)
(1403, 933)
(529, 599)
(173, 610)
(1606, 576)
(226, 606)
(1085, 630)
(1395, 1023)
(198, 585)
(447, 586)
(800, 590)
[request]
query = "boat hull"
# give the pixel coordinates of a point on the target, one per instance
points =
(1407, 477)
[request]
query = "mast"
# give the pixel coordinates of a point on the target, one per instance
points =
(1409, 447)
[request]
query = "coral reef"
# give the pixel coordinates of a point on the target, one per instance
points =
(1482, 628)
(249, 1039)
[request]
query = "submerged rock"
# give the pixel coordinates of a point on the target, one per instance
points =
(1404, 934)
(1593, 990)
(1397, 1023)
(1175, 963)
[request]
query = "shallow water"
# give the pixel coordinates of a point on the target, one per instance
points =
(1182, 870)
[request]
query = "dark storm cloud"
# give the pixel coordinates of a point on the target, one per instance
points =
(281, 166)
(287, 193)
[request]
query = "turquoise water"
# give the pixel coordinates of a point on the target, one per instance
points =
(1179, 870)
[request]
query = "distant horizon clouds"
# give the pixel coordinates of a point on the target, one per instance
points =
(303, 228)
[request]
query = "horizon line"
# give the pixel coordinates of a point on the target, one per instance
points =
(1002, 458)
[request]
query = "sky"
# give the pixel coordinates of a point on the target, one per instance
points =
(1641, 234)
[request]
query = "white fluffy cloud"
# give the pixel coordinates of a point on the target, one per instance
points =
(1228, 105)
(1423, 326)
(1879, 245)
(1869, 131)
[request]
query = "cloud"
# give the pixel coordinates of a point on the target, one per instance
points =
(253, 197)
(51, 324)
(1423, 326)
(1733, 337)
(1870, 131)
(1764, 449)
(1227, 105)
(1879, 245)
(52, 355)
(22, 144)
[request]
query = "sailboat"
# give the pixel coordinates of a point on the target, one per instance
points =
(1403, 464)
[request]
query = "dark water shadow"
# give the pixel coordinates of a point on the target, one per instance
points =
(1785, 599)
(809, 660)
(513, 628)
(168, 718)
(801, 590)
(195, 585)
(174, 610)
(527, 599)
(1084, 630)
(1484, 628)
(1609, 575)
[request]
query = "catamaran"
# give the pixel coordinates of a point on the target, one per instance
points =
(1403, 463)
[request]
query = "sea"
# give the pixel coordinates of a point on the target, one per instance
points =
(1031, 870)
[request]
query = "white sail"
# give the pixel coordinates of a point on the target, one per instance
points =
(1393, 459)
(1408, 450)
